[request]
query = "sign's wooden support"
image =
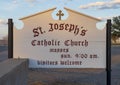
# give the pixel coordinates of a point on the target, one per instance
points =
(108, 51)
(10, 38)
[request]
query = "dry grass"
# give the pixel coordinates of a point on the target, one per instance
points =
(62, 83)
(38, 83)
(66, 83)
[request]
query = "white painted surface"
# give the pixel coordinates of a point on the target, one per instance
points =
(96, 41)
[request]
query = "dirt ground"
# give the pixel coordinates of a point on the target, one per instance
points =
(62, 76)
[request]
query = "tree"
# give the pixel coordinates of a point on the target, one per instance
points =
(115, 31)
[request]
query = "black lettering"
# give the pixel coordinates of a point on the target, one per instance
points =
(51, 27)
(35, 31)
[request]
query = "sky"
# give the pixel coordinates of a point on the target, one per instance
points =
(15, 9)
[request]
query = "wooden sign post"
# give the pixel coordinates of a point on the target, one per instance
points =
(10, 38)
(108, 54)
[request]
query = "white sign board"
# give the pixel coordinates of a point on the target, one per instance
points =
(71, 43)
